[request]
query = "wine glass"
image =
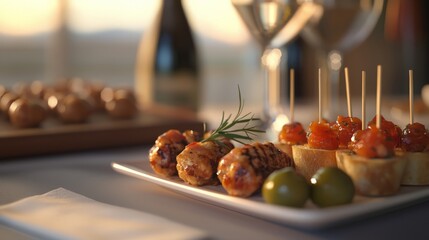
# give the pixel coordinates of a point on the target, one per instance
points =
(273, 23)
(339, 27)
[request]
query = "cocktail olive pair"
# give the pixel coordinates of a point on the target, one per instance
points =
(329, 186)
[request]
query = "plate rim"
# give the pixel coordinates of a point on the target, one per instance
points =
(308, 218)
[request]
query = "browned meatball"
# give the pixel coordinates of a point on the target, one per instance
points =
(121, 108)
(6, 100)
(73, 109)
(197, 163)
(26, 112)
(162, 156)
(243, 170)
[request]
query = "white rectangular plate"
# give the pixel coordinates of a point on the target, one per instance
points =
(310, 217)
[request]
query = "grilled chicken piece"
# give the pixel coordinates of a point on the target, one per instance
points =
(197, 163)
(243, 170)
(162, 156)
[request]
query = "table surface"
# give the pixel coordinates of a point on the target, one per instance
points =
(90, 174)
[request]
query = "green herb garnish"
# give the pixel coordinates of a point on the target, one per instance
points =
(239, 129)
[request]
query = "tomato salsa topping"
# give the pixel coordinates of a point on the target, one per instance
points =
(415, 138)
(293, 133)
(373, 143)
(390, 128)
(322, 136)
(346, 127)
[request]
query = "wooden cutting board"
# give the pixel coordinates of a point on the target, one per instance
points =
(98, 132)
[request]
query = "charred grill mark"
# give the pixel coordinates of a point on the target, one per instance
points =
(265, 158)
(257, 157)
(243, 170)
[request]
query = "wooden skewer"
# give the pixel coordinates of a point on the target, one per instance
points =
(378, 103)
(349, 105)
(320, 95)
(363, 99)
(410, 74)
(292, 95)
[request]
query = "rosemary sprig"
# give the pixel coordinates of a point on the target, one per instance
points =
(239, 128)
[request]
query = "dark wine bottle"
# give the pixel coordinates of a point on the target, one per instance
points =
(167, 66)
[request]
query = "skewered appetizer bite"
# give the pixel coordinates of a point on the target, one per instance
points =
(244, 169)
(372, 163)
(291, 134)
(345, 128)
(415, 138)
(322, 143)
(415, 147)
(393, 130)
(319, 152)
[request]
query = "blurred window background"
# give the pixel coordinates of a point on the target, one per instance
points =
(98, 40)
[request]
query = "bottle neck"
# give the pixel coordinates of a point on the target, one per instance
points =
(173, 14)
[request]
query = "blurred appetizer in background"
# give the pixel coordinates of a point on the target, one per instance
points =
(71, 101)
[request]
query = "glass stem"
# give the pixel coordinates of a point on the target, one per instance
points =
(275, 89)
(332, 62)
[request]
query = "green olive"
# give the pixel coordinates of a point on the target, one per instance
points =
(286, 187)
(330, 186)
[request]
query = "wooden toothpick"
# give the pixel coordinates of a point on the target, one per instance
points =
(378, 103)
(363, 99)
(292, 95)
(320, 94)
(410, 75)
(349, 105)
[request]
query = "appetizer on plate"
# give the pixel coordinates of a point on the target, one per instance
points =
(415, 147)
(291, 134)
(197, 163)
(162, 156)
(372, 163)
(322, 142)
(345, 128)
(319, 152)
(390, 128)
(244, 169)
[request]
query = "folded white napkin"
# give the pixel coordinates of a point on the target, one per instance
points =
(62, 214)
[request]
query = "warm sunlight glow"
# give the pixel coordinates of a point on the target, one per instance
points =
(210, 18)
(26, 17)
(217, 19)
(96, 15)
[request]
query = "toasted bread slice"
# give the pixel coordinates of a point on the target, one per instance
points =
(373, 176)
(417, 168)
(308, 160)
